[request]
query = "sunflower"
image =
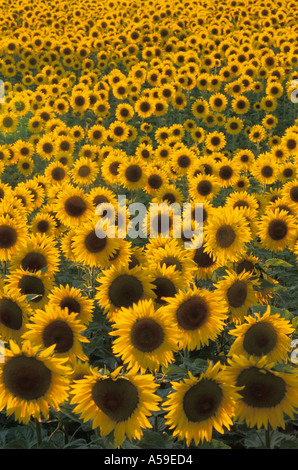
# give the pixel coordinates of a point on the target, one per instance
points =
(122, 287)
(55, 326)
(215, 141)
(290, 192)
(198, 405)
(227, 235)
(234, 125)
(157, 178)
(57, 174)
(35, 286)
(218, 102)
(257, 133)
(73, 206)
(264, 169)
(118, 402)
(94, 247)
(206, 264)
(277, 229)
(166, 283)
(244, 158)
(32, 382)
(240, 105)
(197, 316)
(203, 188)
(37, 253)
(262, 335)
(14, 315)
(237, 294)
(46, 147)
(8, 122)
(172, 254)
(145, 338)
(13, 232)
(243, 201)
(84, 171)
(227, 172)
(266, 395)
(132, 173)
(43, 223)
(169, 194)
(71, 298)
(110, 166)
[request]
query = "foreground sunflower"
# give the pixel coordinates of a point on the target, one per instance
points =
(261, 335)
(266, 395)
(196, 316)
(52, 325)
(145, 337)
(199, 405)
(116, 402)
(32, 382)
(227, 235)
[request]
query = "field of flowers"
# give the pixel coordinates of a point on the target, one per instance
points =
(148, 342)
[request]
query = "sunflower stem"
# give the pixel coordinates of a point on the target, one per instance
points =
(268, 438)
(38, 432)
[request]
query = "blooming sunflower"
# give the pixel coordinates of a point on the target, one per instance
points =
(116, 402)
(227, 234)
(145, 338)
(266, 395)
(199, 405)
(277, 229)
(55, 326)
(37, 253)
(90, 249)
(13, 233)
(32, 382)
(196, 315)
(132, 173)
(35, 286)
(14, 315)
(84, 171)
(122, 287)
(203, 188)
(71, 298)
(73, 206)
(237, 294)
(262, 335)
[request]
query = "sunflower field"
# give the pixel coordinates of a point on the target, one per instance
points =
(148, 342)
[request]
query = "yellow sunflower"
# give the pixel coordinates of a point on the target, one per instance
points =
(262, 335)
(145, 338)
(55, 326)
(32, 382)
(198, 405)
(116, 402)
(197, 316)
(227, 234)
(266, 395)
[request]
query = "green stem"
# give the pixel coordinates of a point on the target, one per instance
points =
(38, 432)
(267, 438)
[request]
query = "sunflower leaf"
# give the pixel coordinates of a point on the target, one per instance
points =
(272, 262)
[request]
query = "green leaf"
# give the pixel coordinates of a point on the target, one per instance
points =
(214, 444)
(17, 444)
(272, 262)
